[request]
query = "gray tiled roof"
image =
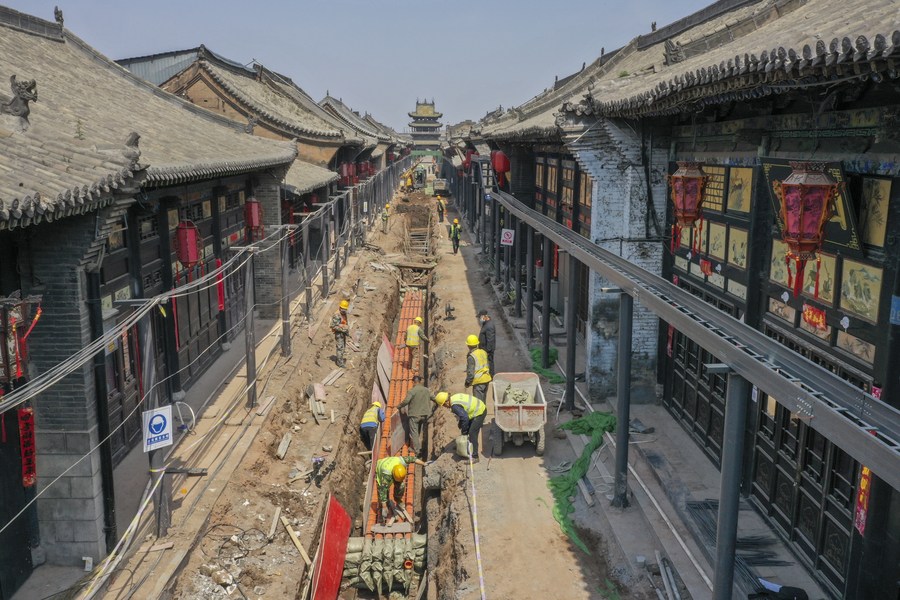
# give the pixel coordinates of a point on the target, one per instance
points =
(304, 177)
(730, 42)
(270, 101)
(346, 114)
(74, 155)
(758, 50)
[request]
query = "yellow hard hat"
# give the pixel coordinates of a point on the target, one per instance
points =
(376, 404)
(456, 221)
(399, 473)
(387, 205)
(441, 398)
(344, 305)
(472, 340)
(418, 319)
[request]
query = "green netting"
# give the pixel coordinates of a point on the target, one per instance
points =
(562, 487)
(551, 375)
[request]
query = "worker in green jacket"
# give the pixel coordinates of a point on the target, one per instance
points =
(392, 471)
(455, 233)
(419, 407)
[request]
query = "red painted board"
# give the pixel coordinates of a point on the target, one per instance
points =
(329, 567)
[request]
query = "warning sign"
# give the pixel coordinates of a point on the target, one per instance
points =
(157, 428)
(507, 237)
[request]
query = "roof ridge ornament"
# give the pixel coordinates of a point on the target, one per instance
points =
(58, 15)
(23, 92)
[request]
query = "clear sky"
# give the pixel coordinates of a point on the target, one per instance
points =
(380, 55)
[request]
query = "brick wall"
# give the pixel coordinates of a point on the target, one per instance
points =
(611, 154)
(70, 512)
(268, 262)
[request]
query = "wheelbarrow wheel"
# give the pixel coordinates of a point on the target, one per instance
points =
(497, 440)
(540, 441)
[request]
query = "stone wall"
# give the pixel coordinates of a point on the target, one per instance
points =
(267, 263)
(70, 512)
(621, 220)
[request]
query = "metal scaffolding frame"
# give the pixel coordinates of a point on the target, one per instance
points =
(865, 428)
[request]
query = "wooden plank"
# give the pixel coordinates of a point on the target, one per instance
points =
(335, 379)
(283, 446)
(296, 540)
(274, 525)
(331, 376)
(266, 404)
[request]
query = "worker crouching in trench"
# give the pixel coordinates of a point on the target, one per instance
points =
(391, 471)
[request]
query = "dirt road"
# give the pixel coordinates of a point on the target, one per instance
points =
(524, 552)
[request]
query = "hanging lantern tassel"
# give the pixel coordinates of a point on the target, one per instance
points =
(698, 234)
(37, 315)
(818, 270)
(16, 344)
(220, 285)
(795, 278)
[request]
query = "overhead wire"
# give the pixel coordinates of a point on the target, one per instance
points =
(64, 368)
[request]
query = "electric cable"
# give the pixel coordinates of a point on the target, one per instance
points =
(133, 319)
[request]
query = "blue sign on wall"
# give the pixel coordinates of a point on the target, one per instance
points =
(895, 310)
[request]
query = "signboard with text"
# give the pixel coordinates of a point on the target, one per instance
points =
(157, 428)
(507, 237)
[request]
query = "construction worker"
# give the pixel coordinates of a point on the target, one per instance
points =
(392, 471)
(478, 370)
(384, 218)
(341, 330)
(419, 408)
(440, 209)
(414, 335)
(368, 426)
(487, 337)
(469, 411)
(455, 232)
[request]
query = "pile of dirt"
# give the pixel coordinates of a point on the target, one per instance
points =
(236, 539)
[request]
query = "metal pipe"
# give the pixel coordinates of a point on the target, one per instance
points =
(306, 278)
(545, 314)
(517, 265)
(623, 407)
(496, 244)
(157, 457)
(529, 284)
(326, 245)
(730, 485)
(571, 313)
(249, 334)
(285, 299)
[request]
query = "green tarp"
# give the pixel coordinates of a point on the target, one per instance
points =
(564, 486)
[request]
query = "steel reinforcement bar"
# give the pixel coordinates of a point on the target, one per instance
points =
(866, 428)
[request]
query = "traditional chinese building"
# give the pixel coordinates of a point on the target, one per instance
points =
(101, 177)
(746, 90)
(425, 126)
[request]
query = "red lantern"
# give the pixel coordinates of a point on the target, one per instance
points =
(687, 185)
(253, 219)
(501, 166)
(187, 244)
(807, 203)
(468, 160)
